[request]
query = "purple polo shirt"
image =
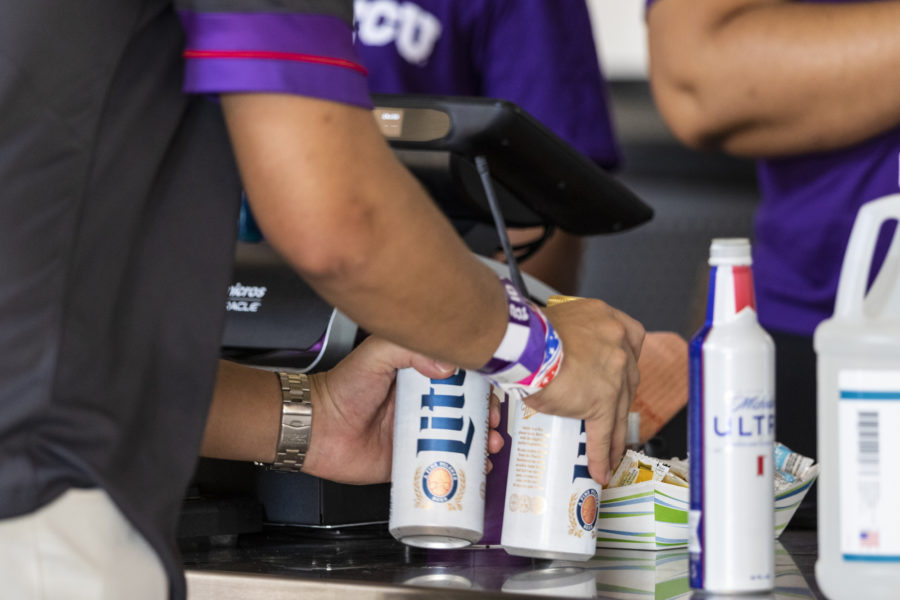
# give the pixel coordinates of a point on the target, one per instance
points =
(539, 54)
(248, 49)
(808, 206)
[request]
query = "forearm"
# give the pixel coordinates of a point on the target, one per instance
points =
(245, 416)
(361, 230)
(414, 282)
(766, 78)
(420, 287)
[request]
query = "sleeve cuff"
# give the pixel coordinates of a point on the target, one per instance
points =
(308, 55)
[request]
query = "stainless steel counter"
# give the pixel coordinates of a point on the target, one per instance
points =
(367, 564)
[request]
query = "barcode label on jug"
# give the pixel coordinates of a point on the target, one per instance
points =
(869, 407)
(867, 430)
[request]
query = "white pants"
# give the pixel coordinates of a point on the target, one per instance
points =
(78, 547)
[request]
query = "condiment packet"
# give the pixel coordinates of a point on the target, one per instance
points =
(788, 461)
(636, 467)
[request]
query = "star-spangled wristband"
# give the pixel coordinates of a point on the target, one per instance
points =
(530, 353)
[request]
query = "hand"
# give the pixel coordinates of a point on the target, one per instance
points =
(664, 381)
(597, 379)
(353, 413)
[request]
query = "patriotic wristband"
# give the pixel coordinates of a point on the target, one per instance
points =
(530, 352)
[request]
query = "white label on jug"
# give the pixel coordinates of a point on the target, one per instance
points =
(869, 447)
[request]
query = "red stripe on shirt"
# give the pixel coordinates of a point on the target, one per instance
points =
(294, 56)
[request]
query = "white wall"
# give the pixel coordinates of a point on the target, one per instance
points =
(621, 34)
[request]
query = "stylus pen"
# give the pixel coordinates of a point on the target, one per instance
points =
(514, 274)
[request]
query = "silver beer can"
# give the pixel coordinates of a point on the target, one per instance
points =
(552, 503)
(439, 459)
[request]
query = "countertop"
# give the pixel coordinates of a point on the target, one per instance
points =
(366, 563)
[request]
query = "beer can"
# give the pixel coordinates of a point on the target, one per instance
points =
(439, 459)
(731, 434)
(552, 503)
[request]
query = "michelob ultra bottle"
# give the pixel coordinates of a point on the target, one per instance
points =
(439, 459)
(731, 434)
(858, 365)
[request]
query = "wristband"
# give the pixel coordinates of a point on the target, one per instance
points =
(530, 352)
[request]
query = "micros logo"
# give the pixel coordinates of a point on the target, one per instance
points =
(245, 298)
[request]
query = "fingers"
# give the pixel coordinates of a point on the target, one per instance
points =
(620, 425)
(598, 377)
(378, 354)
(431, 368)
(623, 405)
(494, 416)
(599, 436)
(495, 444)
(495, 441)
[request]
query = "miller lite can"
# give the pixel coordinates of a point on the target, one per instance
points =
(731, 434)
(439, 459)
(552, 503)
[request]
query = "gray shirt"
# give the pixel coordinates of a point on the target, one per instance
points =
(118, 210)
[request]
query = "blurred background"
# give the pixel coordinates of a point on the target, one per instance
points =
(657, 272)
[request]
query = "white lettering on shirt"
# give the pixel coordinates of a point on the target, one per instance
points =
(413, 30)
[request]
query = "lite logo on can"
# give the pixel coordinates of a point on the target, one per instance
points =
(440, 482)
(451, 423)
(440, 445)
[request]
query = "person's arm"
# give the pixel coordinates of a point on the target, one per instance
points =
(352, 416)
(770, 77)
(329, 195)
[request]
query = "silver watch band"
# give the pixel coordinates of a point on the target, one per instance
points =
(296, 420)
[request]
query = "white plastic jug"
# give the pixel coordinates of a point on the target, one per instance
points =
(858, 364)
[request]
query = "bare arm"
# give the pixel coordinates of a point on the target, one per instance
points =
(352, 418)
(330, 196)
(769, 77)
(245, 415)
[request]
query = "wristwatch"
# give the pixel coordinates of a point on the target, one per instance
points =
(296, 421)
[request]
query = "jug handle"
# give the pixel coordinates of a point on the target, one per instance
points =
(852, 287)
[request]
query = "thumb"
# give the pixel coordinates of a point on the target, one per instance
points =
(431, 368)
(379, 354)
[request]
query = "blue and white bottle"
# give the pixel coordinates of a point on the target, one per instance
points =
(731, 434)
